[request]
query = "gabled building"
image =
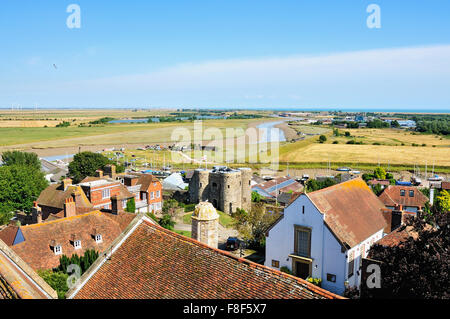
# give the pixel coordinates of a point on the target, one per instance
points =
(147, 190)
(150, 262)
(326, 233)
(99, 191)
(51, 203)
(41, 245)
(403, 198)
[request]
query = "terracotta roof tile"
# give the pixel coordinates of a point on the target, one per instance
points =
(8, 234)
(36, 250)
(391, 196)
(154, 263)
(352, 211)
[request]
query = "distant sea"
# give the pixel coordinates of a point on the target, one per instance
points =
(286, 109)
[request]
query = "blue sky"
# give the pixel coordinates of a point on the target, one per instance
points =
(274, 54)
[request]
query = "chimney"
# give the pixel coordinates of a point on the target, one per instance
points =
(110, 170)
(116, 205)
(36, 213)
(99, 173)
(66, 183)
(69, 207)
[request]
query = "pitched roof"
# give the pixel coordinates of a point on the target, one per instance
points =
(398, 236)
(55, 196)
(145, 181)
(391, 196)
(153, 262)
(279, 185)
(8, 234)
(352, 211)
(37, 248)
(18, 280)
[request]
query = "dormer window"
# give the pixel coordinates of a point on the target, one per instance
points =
(402, 192)
(98, 239)
(58, 250)
(77, 244)
(411, 193)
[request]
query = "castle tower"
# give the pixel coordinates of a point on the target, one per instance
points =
(246, 177)
(231, 186)
(205, 223)
(198, 186)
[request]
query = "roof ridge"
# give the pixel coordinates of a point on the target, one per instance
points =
(94, 212)
(250, 263)
(339, 184)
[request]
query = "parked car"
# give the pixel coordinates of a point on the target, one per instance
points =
(233, 243)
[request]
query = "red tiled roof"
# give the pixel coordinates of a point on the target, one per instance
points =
(352, 211)
(8, 234)
(391, 196)
(398, 236)
(155, 263)
(36, 250)
(445, 185)
(294, 186)
(384, 182)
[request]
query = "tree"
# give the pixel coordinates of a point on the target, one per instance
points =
(315, 185)
(85, 164)
(131, 205)
(256, 197)
(379, 173)
(322, 138)
(442, 202)
(10, 158)
(56, 280)
(167, 222)
(20, 186)
(418, 268)
(171, 207)
(377, 189)
(254, 224)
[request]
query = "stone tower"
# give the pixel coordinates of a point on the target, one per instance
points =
(205, 224)
(246, 179)
(227, 189)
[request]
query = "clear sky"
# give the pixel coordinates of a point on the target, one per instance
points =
(215, 53)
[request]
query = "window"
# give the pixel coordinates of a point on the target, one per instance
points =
(152, 195)
(106, 193)
(214, 185)
(303, 210)
(77, 244)
(411, 193)
(276, 263)
(302, 241)
(402, 192)
(158, 194)
(58, 250)
(331, 278)
(351, 266)
(124, 203)
(98, 238)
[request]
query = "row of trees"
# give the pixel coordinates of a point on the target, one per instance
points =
(87, 163)
(21, 182)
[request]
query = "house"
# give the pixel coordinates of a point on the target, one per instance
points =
(276, 186)
(100, 190)
(18, 280)
(51, 203)
(399, 197)
(150, 262)
(147, 189)
(41, 245)
(326, 233)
